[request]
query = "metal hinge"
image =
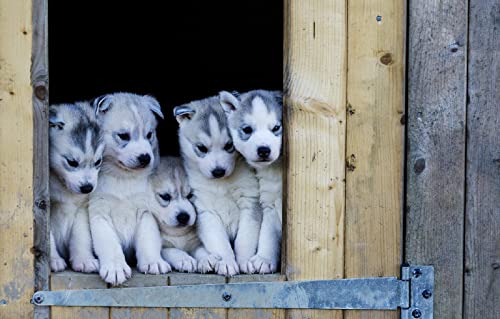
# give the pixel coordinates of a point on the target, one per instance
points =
(412, 294)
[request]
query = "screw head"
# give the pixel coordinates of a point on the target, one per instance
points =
(417, 272)
(416, 313)
(426, 293)
(226, 296)
(38, 299)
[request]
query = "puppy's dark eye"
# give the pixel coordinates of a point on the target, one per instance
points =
(189, 196)
(276, 128)
(72, 162)
(124, 136)
(247, 130)
(166, 197)
(229, 147)
(149, 135)
(202, 148)
(98, 162)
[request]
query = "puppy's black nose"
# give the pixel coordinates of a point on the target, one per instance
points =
(183, 218)
(263, 152)
(144, 159)
(218, 172)
(86, 188)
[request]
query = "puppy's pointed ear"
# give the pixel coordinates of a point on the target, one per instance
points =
(154, 106)
(54, 120)
(278, 96)
(102, 104)
(228, 101)
(183, 112)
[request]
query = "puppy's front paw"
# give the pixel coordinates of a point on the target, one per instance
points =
(264, 265)
(227, 267)
(87, 265)
(246, 267)
(185, 264)
(115, 273)
(207, 263)
(157, 267)
(57, 264)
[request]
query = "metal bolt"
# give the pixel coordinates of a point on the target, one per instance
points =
(226, 296)
(379, 18)
(417, 272)
(38, 298)
(426, 293)
(416, 313)
(3, 302)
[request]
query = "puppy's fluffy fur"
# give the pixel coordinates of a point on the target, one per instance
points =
(119, 220)
(255, 123)
(176, 216)
(225, 189)
(76, 149)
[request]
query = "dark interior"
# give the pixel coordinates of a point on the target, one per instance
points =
(177, 51)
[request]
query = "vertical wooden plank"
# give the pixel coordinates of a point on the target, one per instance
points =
(16, 155)
(141, 280)
(195, 313)
(256, 313)
(375, 141)
(314, 85)
(482, 212)
(40, 83)
(436, 146)
(74, 280)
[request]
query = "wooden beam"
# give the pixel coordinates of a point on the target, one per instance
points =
(435, 197)
(375, 141)
(482, 212)
(314, 85)
(16, 160)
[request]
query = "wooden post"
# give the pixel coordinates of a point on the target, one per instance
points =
(314, 85)
(437, 60)
(375, 137)
(16, 160)
(482, 215)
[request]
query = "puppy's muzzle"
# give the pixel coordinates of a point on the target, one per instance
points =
(218, 172)
(144, 160)
(183, 218)
(263, 152)
(86, 188)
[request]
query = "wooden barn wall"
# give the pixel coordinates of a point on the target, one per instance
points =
(453, 153)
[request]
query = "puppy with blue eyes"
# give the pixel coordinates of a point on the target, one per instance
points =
(255, 123)
(176, 216)
(76, 149)
(226, 193)
(120, 222)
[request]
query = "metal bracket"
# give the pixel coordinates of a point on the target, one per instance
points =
(412, 294)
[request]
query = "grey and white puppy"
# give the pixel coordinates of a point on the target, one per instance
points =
(255, 122)
(119, 222)
(176, 216)
(76, 149)
(225, 189)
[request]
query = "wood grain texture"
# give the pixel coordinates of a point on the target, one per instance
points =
(256, 313)
(375, 142)
(73, 280)
(482, 213)
(436, 146)
(314, 86)
(141, 280)
(16, 160)
(194, 313)
(39, 80)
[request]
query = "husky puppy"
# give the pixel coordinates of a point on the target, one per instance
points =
(76, 149)
(176, 217)
(255, 124)
(119, 224)
(225, 190)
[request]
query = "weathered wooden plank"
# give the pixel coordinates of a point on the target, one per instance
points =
(39, 80)
(314, 86)
(436, 146)
(482, 210)
(256, 313)
(73, 280)
(142, 280)
(375, 137)
(196, 279)
(16, 160)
